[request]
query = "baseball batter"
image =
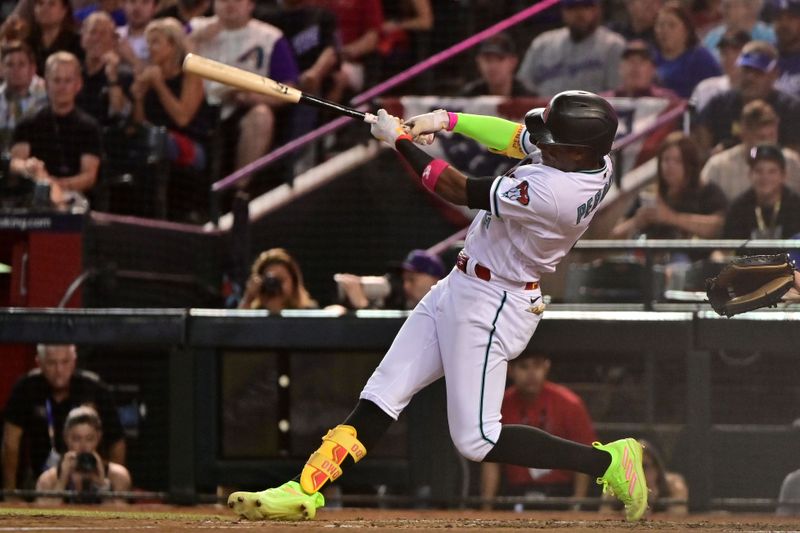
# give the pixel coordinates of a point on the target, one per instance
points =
(483, 314)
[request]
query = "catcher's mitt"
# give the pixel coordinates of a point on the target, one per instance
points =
(748, 283)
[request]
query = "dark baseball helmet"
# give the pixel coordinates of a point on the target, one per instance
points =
(574, 118)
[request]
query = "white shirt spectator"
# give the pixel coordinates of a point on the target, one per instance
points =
(138, 43)
(555, 63)
(708, 89)
(730, 170)
(254, 47)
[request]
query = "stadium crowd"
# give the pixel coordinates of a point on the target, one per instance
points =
(115, 68)
(88, 87)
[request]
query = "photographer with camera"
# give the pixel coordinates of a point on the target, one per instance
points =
(81, 469)
(275, 284)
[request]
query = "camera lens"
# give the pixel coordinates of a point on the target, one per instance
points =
(271, 286)
(86, 462)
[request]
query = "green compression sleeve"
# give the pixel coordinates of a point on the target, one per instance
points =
(497, 134)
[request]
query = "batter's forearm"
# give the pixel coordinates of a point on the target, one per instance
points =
(436, 175)
(495, 133)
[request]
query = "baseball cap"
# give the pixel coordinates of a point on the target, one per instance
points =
(637, 48)
(423, 262)
(734, 39)
(758, 60)
(792, 6)
(766, 152)
(500, 45)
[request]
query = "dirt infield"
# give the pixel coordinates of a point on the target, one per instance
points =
(160, 518)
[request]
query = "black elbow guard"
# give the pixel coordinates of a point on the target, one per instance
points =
(478, 191)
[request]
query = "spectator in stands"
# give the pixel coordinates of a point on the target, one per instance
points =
(82, 469)
(112, 7)
(22, 92)
(360, 25)
(311, 30)
(38, 406)
(730, 46)
(164, 95)
(759, 71)
(662, 484)
(640, 21)
(132, 42)
(535, 401)
(185, 10)
(53, 31)
(740, 15)
(104, 81)
(769, 209)
(730, 169)
(787, 30)
(420, 271)
(681, 61)
(637, 73)
(60, 144)
(497, 62)
(789, 498)
(407, 15)
(276, 283)
(405, 34)
(233, 37)
(582, 55)
(683, 207)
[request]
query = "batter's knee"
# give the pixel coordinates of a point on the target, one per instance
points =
(473, 447)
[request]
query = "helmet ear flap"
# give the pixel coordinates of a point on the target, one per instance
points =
(534, 123)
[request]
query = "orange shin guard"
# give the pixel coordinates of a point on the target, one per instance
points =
(323, 465)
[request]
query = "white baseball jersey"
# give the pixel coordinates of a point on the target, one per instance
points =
(249, 48)
(468, 329)
(537, 213)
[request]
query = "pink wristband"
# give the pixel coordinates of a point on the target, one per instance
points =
(453, 120)
(431, 173)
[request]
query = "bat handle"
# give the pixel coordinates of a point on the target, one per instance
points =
(369, 118)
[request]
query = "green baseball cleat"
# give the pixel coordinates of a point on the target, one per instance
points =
(287, 502)
(624, 478)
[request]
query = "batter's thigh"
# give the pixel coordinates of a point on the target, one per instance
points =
(413, 361)
(480, 329)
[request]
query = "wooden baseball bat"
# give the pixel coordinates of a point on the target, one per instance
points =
(248, 81)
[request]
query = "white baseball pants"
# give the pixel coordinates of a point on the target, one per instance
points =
(467, 330)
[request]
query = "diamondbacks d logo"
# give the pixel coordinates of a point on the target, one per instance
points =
(518, 193)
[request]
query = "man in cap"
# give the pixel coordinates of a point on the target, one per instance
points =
(730, 170)
(730, 46)
(759, 71)
(637, 72)
(582, 55)
(787, 30)
(497, 62)
(419, 271)
(769, 209)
